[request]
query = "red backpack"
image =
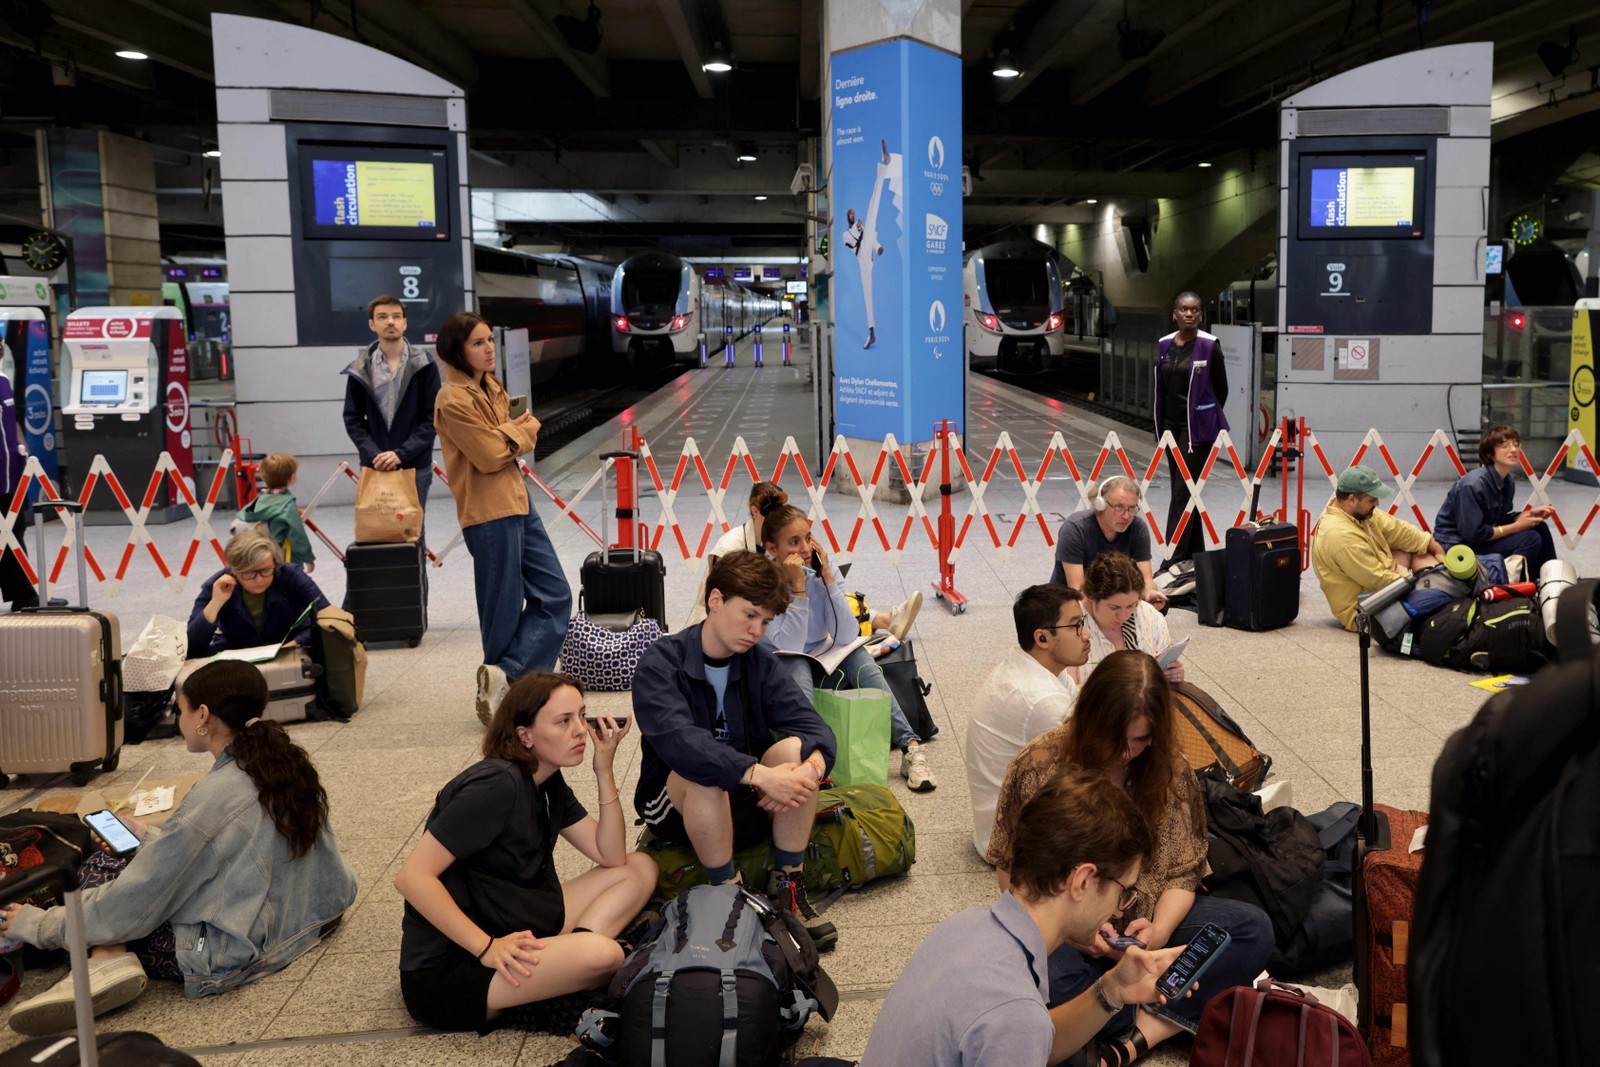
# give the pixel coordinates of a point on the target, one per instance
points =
(1274, 1024)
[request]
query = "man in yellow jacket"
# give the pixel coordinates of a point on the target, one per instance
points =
(1360, 548)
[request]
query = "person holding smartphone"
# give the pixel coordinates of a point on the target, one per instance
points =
(243, 877)
(524, 600)
(257, 599)
(974, 993)
(817, 618)
(1121, 731)
(1119, 616)
(488, 925)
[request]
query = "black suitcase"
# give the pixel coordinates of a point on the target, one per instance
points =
(619, 581)
(387, 591)
(1211, 586)
(1263, 576)
(900, 671)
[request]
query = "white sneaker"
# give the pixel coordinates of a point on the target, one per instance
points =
(904, 614)
(915, 770)
(113, 982)
(492, 686)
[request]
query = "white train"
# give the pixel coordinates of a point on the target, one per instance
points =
(660, 308)
(1013, 301)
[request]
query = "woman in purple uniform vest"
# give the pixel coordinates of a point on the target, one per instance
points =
(1191, 385)
(14, 585)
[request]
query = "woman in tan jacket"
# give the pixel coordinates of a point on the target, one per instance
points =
(523, 596)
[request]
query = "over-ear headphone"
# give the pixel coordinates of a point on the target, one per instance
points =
(1100, 493)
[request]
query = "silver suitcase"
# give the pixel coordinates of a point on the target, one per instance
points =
(291, 684)
(60, 679)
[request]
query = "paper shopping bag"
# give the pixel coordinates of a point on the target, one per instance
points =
(859, 719)
(386, 506)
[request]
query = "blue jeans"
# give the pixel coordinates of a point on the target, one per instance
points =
(1071, 972)
(523, 597)
(1536, 545)
(861, 671)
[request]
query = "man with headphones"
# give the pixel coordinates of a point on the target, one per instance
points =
(1112, 524)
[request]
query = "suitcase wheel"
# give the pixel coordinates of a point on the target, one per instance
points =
(413, 642)
(5, 781)
(80, 778)
(112, 760)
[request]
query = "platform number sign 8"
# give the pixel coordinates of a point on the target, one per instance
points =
(411, 283)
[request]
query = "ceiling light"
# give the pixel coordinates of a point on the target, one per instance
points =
(1091, 200)
(1203, 164)
(747, 153)
(128, 53)
(719, 61)
(760, 196)
(215, 153)
(1005, 66)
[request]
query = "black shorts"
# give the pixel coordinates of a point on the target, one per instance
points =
(452, 994)
(751, 825)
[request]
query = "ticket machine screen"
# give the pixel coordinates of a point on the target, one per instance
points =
(104, 387)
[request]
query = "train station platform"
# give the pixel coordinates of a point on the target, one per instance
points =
(1294, 690)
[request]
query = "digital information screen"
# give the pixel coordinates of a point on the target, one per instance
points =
(1494, 259)
(104, 387)
(1360, 197)
(363, 193)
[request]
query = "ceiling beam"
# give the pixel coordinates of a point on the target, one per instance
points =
(1274, 26)
(539, 16)
(1061, 30)
(659, 152)
(1106, 67)
(685, 24)
(119, 27)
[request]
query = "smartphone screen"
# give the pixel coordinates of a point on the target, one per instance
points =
(1192, 961)
(110, 829)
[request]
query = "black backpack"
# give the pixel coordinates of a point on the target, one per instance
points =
(1440, 633)
(723, 980)
(1327, 937)
(29, 838)
(1272, 860)
(1505, 636)
(1507, 918)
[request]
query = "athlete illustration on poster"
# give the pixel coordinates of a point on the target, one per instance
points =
(862, 236)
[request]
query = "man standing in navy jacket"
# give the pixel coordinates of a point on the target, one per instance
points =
(388, 398)
(733, 751)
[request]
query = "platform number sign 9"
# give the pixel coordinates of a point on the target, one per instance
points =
(1336, 280)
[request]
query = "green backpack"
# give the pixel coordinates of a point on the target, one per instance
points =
(861, 834)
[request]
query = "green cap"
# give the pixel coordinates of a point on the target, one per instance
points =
(1364, 480)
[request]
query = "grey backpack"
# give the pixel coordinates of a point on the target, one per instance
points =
(724, 980)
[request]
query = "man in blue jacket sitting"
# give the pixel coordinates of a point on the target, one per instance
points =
(733, 751)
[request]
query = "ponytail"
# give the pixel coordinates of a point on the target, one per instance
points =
(284, 777)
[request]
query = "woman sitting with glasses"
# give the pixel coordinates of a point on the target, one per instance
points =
(1118, 617)
(257, 599)
(1122, 731)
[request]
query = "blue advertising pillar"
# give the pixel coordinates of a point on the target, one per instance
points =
(894, 131)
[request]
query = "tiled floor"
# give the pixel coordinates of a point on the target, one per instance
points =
(1294, 690)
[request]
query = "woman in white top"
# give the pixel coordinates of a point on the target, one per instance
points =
(746, 538)
(1119, 617)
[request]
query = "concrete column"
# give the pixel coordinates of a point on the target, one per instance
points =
(100, 189)
(892, 99)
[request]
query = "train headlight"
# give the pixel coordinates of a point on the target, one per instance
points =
(679, 322)
(621, 323)
(1053, 323)
(989, 322)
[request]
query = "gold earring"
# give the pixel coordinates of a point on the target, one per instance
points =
(202, 731)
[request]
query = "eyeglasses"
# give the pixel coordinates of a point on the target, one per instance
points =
(1076, 625)
(264, 572)
(1128, 896)
(1123, 509)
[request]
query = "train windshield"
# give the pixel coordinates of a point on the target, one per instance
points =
(651, 291)
(1017, 283)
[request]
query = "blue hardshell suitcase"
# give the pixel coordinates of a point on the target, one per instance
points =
(1263, 576)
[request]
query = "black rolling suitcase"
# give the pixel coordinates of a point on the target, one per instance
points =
(388, 591)
(622, 581)
(85, 1048)
(1263, 576)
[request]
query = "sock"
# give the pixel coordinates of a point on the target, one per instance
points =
(722, 873)
(788, 861)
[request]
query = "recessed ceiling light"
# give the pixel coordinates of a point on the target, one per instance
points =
(215, 153)
(747, 153)
(128, 53)
(1005, 66)
(1091, 200)
(760, 196)
(1205, 164)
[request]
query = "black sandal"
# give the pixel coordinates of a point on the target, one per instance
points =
(1114, 1053)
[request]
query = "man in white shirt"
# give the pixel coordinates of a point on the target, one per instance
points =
(1025, 695)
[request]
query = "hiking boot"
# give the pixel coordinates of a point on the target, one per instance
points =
(492, 686)
(113, 982)
(787, 892)
(915, 770)
(904, 614)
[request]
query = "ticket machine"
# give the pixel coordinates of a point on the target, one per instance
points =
(125, 395)
(25, 360)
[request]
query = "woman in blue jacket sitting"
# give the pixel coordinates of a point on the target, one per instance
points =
(257, 599)
(243, 878)
(1480, 511)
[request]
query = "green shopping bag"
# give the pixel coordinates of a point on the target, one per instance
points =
(859, 719)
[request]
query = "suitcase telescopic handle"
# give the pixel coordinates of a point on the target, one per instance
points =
(73, 508)
(605, 503)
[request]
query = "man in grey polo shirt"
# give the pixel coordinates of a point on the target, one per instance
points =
(974, 992)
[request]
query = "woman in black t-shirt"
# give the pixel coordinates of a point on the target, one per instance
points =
(488, 925)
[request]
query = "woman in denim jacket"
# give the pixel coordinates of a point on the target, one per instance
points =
(243, 878)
